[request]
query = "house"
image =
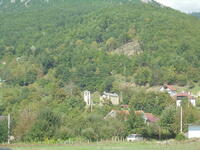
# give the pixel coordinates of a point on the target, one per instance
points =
(181, 96)
(169, 89)
(125, 106)
(193, 131)
(110, 97)
(148, 117)
(115, 113)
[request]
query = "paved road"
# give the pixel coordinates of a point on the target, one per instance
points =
(5, 149)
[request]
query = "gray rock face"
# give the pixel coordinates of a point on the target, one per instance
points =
(146, 1)
(24, 3)
(129, 49)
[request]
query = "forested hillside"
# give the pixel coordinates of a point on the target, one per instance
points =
(50, 51)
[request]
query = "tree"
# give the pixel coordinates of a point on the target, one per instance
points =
(90, 134)
(168, 121)
(47, 62)
(111, 43)
(134, 122)
(181, 80)
(107, 84)
(153, 102)
(28, 78)
(45, 126)
(4, 131)
(142, 76)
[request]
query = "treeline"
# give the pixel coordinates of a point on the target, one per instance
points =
(65, 118)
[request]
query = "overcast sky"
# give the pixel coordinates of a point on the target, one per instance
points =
(187, 6)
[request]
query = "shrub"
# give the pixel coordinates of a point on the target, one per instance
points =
(3, 131)
(181, 80)
(64, 133)
(45, 126)
(180, 137)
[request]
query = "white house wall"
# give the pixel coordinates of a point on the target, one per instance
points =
(178, 103)
(193, 102)
(87, 98)
(194, 132)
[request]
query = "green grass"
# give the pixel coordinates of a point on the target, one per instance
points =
(113, 146)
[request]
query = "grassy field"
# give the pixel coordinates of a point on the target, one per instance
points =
(112, 146)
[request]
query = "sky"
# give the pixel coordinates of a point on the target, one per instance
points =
(186, 6)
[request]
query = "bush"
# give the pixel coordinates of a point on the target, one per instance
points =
(45, 126)
(3, 131)
(90, 134)
(181, 80)
(143, 76)
(180, 137)
(64, 133)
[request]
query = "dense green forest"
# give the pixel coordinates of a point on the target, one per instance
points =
(50, 51)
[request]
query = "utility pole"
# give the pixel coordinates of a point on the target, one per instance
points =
(121, 97)
(124, 71)
(91, 103)
(8, 128)
(181, 120)
(159, 133)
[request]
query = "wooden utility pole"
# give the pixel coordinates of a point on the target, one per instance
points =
(159, 133)
(91, 105)
(8, 128)
(121, 97)
(181, 120)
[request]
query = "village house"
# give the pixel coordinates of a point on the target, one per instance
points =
(115, 113)
(169, 89)
(110, 97)
(185, 96)
(193, 131)
(148, 117)
(125, 107)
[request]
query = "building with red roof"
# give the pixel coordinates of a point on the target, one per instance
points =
(169, 89)
(182, 96)
(148, 117)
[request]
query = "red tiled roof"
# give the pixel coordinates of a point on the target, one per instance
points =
(184, 95)
(150, 117)
(125, 112)
(122, 112)
(170, 87)
(125, 106)
(139, 112)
